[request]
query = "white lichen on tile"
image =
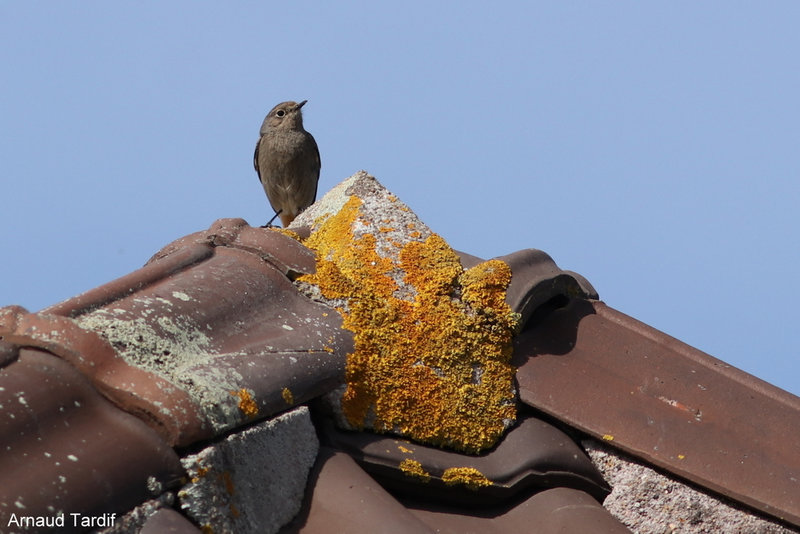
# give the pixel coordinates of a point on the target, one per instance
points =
(177, 350)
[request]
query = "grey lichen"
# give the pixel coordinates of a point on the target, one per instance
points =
(174, 348)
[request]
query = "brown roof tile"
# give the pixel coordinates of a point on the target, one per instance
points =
(665, 402)
(532, 456)
(553, 511)
(96, 358)
(209, 329)
(536, 280)
(99, 296)
(289, 256)
(168, 521)
(66, 448)
(8, 353)
(213, 335)
(343, 498)
(182, 342)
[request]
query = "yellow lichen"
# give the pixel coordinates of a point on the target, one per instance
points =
(288, 398)
(247, 404)
(414, 469)
(288, 233)
(465, 476)
(431, 366)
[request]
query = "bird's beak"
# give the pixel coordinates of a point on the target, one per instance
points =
(300, 105)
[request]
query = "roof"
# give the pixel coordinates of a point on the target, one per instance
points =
(239, 382)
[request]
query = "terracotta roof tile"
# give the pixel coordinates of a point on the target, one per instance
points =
(208, 330)
(553, 511)
(183, 344)
(345, 499)
(216, 344)
(536, 280)
(532, 456)
(288, 255)
(167, 521)
(622, 381)
(66, 448)
(110, 291)
(8, 353)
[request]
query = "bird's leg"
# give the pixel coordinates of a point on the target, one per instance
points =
(269, 224)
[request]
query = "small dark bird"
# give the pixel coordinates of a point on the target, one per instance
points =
(287, 162)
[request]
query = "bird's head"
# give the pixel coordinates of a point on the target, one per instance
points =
(284, 116)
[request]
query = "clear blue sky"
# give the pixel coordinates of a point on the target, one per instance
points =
(652, 147)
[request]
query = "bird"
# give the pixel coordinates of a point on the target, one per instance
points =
(287, 162)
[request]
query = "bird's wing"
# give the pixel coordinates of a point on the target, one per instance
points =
(319, 166)
(255, 159)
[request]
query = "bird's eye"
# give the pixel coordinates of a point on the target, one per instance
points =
(280, 113)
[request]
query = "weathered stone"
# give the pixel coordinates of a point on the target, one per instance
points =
(252, 481)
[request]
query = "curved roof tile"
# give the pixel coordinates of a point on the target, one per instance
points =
(213, 335)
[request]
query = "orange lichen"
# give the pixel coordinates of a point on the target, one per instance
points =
(227, 480)
(434, 366)
(414, 469)
(466, 476)
(288, 233)
(288, 398)
(201, 472)
(247, 404)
